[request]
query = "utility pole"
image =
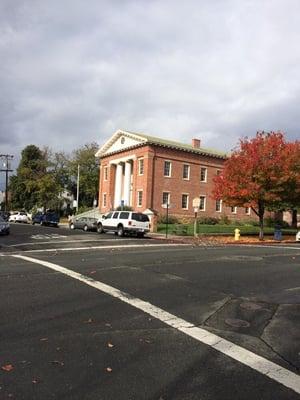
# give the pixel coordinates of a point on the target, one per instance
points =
(5, 163)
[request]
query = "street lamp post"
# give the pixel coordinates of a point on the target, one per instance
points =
(77, 196)
(6, 169)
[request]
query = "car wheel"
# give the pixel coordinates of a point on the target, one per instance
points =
(32, 223)
(120, 230)
(72, 226)
(85, 228)
(100, 228)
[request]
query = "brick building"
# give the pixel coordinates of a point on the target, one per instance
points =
(145, 172)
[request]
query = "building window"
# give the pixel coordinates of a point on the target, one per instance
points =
(139, 198)
(247, 210)
(218, 205)
(141, 166)
(233, 210)
(104, 201)
(218, 172)
(105, 171)
(202, 203)
(203, 174)
(166, 198)
(186, 171)
(185, 201)
(167, 168)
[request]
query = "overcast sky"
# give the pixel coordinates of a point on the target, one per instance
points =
(73, 72)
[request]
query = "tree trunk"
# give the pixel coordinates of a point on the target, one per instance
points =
(261, 211)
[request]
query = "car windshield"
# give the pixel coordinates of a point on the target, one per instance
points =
(140, 217)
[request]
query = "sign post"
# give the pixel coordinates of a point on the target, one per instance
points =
(196, 205)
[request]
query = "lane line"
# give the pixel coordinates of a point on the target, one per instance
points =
(246, 357)
(270, 246)
(127, 246)
(65, 241)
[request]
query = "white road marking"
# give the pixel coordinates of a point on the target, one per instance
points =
(65, 241)
(246, 357)
(47, 236)
(127, 246)
(293, 289)
(287, 247)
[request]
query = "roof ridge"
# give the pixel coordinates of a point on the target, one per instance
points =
(186, 146)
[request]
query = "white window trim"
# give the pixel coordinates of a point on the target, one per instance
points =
(169, 197)
(104, 195)
(187, 203)
(189, 172)
(204, 208)
(220, 206)
(249, 211)
(234, 211)
(139, 160)
(206, 172)
(137, 198)
(168, 176)
(105, 172)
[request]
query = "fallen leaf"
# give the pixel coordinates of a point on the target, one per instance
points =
(108, 369)
(109, 325)
(7, 367)
(89, 321)
(93, 272)
(44, 339)
(110, 344)
(34, 381)
(61, 363)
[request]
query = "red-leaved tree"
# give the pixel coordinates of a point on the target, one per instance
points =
(263, 173)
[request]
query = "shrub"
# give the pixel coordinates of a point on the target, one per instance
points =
(272, 222)
(124, 208)
(162, 219)
(208, 221)
(224, 220)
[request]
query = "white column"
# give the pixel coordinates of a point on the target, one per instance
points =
(127, 179)
(118, 185)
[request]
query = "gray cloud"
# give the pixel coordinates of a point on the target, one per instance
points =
(73, 72)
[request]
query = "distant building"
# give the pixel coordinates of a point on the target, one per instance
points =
(145, 172)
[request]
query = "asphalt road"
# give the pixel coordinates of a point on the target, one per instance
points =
(88, 316)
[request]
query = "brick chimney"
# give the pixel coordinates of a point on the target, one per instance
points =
(196, 143)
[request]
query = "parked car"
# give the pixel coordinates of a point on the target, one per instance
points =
(85, 223)
(49, 218)
(5, 215)
(19, 216)
(4, 227)
(122, 222)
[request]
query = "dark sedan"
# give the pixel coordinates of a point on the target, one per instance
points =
(4, 227)
(85, 223)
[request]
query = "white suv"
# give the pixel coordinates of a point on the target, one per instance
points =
(122, 222)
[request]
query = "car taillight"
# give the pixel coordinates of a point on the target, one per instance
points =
(129, 222)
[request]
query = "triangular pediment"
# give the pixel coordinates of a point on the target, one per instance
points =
(120, 141)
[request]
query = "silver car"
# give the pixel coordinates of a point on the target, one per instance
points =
(85, 223)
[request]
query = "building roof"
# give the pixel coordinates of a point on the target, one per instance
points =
(143, 139)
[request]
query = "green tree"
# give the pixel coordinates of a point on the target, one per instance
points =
(34, 184)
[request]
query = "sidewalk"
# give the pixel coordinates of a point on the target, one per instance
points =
(223, 240)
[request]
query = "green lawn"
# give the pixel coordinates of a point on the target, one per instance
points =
(180, 229)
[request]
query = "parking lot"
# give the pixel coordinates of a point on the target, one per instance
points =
(89, 316)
